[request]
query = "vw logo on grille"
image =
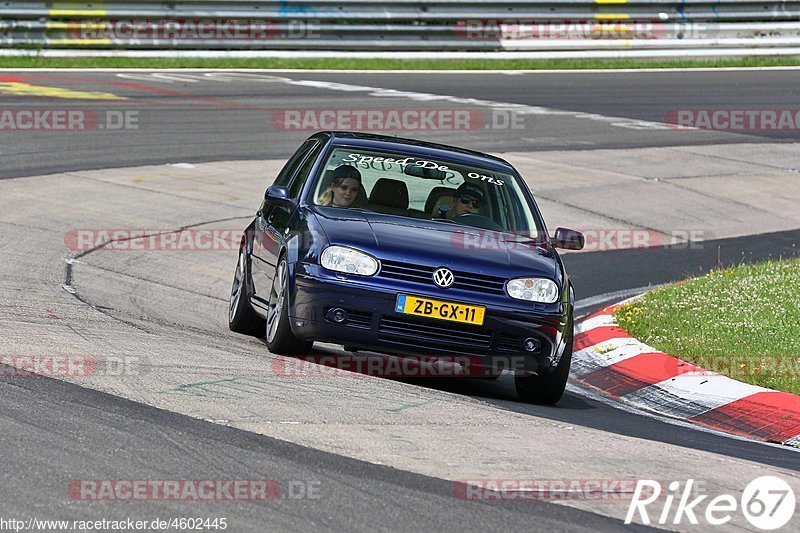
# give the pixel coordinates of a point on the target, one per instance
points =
(443, 277)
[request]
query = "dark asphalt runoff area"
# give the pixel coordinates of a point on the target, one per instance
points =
(53, 432)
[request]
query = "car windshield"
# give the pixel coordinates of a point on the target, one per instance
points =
(424, 188)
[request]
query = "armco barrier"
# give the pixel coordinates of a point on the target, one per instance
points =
(402, 25)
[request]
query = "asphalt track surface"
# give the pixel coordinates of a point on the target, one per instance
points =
(56, 432)
(186, 118)
(60, 431)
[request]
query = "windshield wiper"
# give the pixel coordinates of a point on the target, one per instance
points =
(512, 237)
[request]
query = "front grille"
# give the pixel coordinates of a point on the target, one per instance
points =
(424, 275)
(445, 337)
(509, 343)
(359, 319)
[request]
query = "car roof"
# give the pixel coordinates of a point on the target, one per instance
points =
(420, 148)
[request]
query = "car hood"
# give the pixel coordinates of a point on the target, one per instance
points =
(437, 243)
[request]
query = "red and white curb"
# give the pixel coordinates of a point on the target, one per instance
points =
(608, 359)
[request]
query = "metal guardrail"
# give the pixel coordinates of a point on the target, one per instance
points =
(415, 10)
(402, 25)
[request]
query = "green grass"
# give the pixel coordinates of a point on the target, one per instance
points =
(375, 64)
(743, 322)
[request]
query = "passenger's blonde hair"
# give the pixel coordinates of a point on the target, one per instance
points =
(326, 198)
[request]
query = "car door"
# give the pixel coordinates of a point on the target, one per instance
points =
(272, 221)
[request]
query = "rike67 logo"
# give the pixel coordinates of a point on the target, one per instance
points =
(767, 503)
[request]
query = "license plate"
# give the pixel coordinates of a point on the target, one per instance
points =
(465, 314)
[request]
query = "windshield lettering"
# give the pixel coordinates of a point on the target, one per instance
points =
(360, 159)
(367, 160)
(490, 179)
(424, 188)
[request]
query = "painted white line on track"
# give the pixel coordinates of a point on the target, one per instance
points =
(382, 92)
(623, 294)
(182, 77)
(412, 71)
(521, 109)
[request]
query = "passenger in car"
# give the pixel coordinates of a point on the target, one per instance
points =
(467, 199)
(345, 189)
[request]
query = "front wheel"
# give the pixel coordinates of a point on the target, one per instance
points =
(280, 339)
(548, 387)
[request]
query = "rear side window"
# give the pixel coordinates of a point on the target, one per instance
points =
(304, 170)
(286, 173)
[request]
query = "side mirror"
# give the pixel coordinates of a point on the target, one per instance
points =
(568, 239)
(277, 195)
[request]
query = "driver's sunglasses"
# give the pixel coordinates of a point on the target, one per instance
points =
(466, 201)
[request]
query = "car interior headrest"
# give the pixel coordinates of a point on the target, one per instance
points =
(390, 193)
(435, 198)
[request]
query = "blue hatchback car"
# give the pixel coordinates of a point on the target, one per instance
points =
(408, 248)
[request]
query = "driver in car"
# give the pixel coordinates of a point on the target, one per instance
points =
(467, 199)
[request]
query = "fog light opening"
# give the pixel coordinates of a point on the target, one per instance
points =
(531, 345)
(337, 314)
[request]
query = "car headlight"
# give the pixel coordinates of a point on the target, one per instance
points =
(540, 290)
(349, 261)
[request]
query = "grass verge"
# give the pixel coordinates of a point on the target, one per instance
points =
(743, 322)
(387, 64)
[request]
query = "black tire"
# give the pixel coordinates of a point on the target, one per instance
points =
(547, 388)
(278, 330)
(241, 317)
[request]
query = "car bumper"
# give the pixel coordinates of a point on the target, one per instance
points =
(373, 324)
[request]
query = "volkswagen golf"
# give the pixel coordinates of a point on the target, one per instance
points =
(408, 248)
